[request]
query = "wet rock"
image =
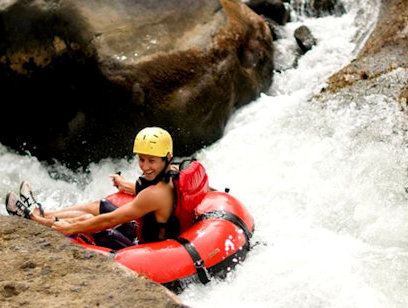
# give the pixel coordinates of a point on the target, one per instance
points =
(385, 51)
(318, 8)
(82, 77)
(275, 10)
(381, 67)
(275, 29)
(38, 276)
(304, 38)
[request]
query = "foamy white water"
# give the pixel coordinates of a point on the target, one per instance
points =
(325, 184)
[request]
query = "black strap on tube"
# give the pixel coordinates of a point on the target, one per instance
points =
(202, 272)
(229, 217)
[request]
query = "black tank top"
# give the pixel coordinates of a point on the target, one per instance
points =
(151, 229)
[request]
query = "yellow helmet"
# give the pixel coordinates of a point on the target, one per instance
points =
(153, 141)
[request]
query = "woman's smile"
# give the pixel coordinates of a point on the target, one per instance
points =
(151, 166)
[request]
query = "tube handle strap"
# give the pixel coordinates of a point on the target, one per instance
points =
(202, 271)
(229, 217)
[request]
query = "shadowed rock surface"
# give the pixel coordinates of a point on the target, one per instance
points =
(41, 268)
(272, 9)
(80, 78)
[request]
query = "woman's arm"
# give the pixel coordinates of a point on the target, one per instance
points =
(147, 201)
(124, 186)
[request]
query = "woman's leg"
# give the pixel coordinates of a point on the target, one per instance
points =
(42, 220)
(72, 211)
(48, 221)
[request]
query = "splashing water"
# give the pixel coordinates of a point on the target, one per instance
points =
(324, 183)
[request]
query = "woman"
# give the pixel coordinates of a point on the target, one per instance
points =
(153, 204)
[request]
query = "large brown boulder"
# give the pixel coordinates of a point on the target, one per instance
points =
(80, 78)
(41, 268)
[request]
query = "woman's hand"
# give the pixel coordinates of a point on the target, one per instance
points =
(122, 185)
(63, 227)
(117, 180)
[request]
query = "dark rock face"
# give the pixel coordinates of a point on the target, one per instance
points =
(272, 9)
(41, 268)
(80, 78)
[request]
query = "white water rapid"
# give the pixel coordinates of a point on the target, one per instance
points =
(324, 183)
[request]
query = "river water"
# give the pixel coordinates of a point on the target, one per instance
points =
(325, 183)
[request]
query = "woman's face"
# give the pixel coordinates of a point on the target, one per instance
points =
(151, 166)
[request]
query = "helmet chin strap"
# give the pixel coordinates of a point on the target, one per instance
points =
(162, 175)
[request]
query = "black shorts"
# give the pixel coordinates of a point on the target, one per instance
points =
(121, 236)
(105, 206)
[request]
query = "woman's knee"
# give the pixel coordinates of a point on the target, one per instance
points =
(92, 208)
